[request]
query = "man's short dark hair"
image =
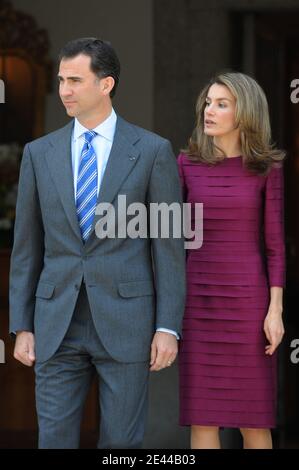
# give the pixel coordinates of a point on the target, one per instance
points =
(104, 61)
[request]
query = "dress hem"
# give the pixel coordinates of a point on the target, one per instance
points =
(229, 425)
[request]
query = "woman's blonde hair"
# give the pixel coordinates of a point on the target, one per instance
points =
(252, 118)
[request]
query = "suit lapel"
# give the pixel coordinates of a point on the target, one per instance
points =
(122, 159)
(59, 161)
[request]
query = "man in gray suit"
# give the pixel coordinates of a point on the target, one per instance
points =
(80, 304)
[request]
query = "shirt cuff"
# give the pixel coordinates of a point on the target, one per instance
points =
(166, 330)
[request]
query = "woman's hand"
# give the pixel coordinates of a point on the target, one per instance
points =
(273, 328)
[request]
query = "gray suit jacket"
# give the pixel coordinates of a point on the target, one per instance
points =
(134, 285)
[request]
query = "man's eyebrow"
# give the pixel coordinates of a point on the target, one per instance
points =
(77, 77)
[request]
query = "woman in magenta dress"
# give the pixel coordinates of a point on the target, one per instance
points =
(233, 318)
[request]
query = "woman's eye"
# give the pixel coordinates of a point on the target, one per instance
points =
(221, 105)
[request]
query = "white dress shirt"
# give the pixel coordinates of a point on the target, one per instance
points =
(101, 144)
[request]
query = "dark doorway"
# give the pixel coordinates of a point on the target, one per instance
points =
(266, 45)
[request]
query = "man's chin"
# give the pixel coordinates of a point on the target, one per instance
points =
(71, 112)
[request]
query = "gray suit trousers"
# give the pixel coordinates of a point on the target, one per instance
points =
(63, 381)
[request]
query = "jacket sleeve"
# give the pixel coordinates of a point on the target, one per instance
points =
(168, 253)
(28, 249)
(274, 227)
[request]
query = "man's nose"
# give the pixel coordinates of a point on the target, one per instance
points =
(65, 90)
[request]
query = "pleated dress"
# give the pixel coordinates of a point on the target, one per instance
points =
(226, 379)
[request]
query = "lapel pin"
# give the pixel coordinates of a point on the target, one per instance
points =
(132, 158)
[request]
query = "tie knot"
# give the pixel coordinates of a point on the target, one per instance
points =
(89, 135)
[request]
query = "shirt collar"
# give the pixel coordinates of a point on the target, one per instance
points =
(106, 129)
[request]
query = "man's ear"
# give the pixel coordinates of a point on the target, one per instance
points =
(107, 85)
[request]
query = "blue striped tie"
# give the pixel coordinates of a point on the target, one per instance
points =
(87, 183)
